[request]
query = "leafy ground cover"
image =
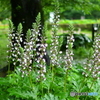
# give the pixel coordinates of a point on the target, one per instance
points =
(57, 85)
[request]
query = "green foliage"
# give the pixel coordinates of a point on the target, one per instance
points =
(58, 83)
(28, 34)
(4, 9)
(19, 28)
(82, 53)
(74, 14)
(85, 6)
(81, 40)
(14, 86)
(11, 25)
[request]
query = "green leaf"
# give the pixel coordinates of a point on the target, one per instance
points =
(11, 25)
(28, 35)
(50, 97)
(38, 18)
(19, 29)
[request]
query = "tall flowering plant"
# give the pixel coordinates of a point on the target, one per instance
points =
(92, 66)
(96, 56)
(54, 50)
(15, 44)
(68, 59)
(33, 50)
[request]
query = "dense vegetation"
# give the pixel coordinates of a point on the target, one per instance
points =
(57, 81)
(73, 74)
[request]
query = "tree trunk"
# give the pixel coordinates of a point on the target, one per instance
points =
(25, 12)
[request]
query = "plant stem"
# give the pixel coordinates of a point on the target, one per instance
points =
(84, 80)
(30, 79)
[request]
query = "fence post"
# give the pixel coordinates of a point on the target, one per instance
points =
(94, 29)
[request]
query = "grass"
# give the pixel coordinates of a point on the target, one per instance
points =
(3, 47)
(84, 21)
(87, 33)
(3, 25)
(3, 42)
